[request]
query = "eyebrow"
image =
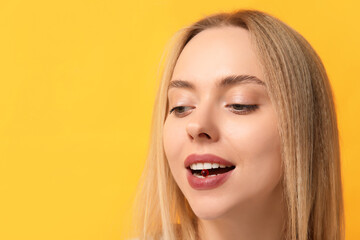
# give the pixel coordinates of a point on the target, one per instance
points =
(227, 81)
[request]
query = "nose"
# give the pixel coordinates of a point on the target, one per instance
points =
(202, 126)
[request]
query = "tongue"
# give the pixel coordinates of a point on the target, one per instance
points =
(215, 170)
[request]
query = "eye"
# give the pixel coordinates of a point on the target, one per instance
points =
(243, 109)
(179, 110)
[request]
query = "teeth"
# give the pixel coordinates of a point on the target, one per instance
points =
(207, 165)
(200, 166)
(200, 176)
(215, 165)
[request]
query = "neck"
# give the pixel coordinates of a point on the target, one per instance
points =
(262, 218)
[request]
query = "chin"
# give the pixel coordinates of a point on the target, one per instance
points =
(208, 210)
(208, 214)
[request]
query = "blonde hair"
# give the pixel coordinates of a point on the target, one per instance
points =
(301, 95)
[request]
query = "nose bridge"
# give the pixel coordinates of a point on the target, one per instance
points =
(203, 121)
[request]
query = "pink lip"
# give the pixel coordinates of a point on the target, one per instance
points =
(210, 158)
(208, 182)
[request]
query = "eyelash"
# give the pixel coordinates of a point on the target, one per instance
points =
(250, 108)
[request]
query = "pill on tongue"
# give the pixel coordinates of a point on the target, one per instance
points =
(204, 172)
(213, 171)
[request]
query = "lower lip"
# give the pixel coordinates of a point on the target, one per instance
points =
(207, 182)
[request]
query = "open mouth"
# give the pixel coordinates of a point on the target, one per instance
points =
(210, 172)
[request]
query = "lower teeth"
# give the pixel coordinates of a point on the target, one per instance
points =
(201, 176)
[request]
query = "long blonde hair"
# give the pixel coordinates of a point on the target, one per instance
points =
(301, 95)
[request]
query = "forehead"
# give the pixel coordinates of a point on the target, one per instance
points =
(215, 53)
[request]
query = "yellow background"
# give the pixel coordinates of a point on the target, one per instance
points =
(77, 86)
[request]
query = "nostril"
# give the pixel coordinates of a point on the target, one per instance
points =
(206, 135)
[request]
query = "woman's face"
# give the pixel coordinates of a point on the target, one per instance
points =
(211, 120)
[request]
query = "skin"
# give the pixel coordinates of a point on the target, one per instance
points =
(249, 204)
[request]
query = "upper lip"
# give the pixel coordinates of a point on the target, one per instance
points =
(205, 158)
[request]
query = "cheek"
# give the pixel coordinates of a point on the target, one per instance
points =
(256, 136)
(172, 139)
(262, 138)
(258, 150)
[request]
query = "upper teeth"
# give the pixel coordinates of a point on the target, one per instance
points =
(199, 166)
